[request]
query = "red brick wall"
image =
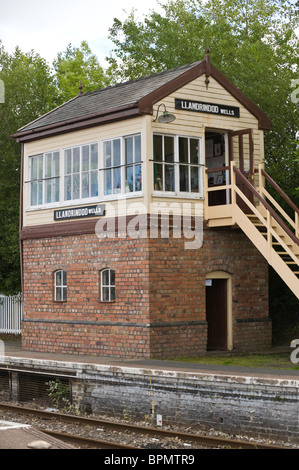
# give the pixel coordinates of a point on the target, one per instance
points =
(160, 306)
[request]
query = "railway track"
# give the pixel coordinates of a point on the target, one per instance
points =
(192, 439)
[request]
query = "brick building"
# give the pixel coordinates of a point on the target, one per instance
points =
(139, 228)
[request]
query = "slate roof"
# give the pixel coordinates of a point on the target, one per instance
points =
(127, 100)
(106, 99)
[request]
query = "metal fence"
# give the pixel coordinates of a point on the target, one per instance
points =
(11, 313)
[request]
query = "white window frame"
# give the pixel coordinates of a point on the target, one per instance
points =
(43, 180)
(123, 190)
(64, 175)
(176, 163)
(110, 285)
(62, 286)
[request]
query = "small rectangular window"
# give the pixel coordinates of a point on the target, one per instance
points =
(107, 285)
(60, 286)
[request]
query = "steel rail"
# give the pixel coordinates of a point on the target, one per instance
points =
(162, 433)
(86, 441)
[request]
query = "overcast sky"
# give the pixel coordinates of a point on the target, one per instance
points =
(48, 26)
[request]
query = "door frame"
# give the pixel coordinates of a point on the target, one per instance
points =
(228, 277)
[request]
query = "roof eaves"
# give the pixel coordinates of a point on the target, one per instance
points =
(120, 113)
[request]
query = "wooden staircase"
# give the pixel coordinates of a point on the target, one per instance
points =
(274, 233)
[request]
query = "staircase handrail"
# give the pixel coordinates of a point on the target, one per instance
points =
(266, 205)
(280, 191)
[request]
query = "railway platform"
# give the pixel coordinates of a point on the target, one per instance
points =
(228, 398)
(13, 348)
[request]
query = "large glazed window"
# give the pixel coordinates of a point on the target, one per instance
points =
(121, 167)
(44, 179)
(164, 169)
(177, 164)
(81, 172)
(133, 180)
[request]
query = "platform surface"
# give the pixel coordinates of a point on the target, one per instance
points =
(13, 349)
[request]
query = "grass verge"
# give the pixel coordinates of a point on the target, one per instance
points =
(263, 361)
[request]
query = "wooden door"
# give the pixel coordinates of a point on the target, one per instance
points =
(216, 313)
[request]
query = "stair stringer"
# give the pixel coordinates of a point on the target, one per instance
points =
(267, 251)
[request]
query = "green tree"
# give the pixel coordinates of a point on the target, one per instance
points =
(75, 65)
(29, 92)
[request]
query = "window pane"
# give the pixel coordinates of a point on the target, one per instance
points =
(58, 278)
(169, 149)
(107, 154)
(48, 157)
(138, 148)
(34, 168)
(129, 150)
(64, 294)
(40, 167)
(76, 160)
(158, 148)
(138, 178)
(158, 176)
(112, 277)
(105, 294)
(33, 194)
(58, 293)
(184, 178)
(56, 190)
(67, 188)
(40, 192)
(64, 277)
(129, 179)
(105, 277)
(48, 190)
(76, 186)
(169, 178)
(194, 151)
(112, 293)
(85, 184)
(108, 182)
(68, 162)
(94, 183)
(117, 180)
(56, 164)
(85, 158)
(94, 157)
(183, 150)
(116, 152)
(194, 179)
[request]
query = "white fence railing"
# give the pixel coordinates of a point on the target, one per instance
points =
(11, 314)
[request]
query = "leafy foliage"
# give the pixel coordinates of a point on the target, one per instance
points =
(75, 65)
(29, 92)
(32, 88)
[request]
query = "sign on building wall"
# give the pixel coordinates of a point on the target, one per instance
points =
(209, 108)
(80, 212)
